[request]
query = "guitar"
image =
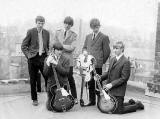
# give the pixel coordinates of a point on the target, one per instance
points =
(84, 63)
(62, 101)
(106, 103)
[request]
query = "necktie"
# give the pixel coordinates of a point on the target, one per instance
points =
(115, 60)
(65, 34)
(94, 36)
(40, 42)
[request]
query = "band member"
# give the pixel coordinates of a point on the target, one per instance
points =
(68, 38)
(116, 80)
(35, 47)
(61, 64)
(97, 45)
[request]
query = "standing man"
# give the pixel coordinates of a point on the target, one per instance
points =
(67, 37)
(116, 81)
(35, 47)
(97, 45)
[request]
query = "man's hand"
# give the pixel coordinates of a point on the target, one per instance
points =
(50, 59)
(54, 62)
(97, 77)
(107, 86)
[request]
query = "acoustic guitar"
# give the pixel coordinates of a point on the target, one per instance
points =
(62, 101)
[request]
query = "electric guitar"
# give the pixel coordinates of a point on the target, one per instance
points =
(106, 103)
(84, 63)
(62, 101)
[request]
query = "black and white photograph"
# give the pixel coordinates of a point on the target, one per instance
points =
(79, 59)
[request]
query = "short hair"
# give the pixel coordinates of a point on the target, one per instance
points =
(57, 46)
(68, 20)
(94, 23)
(40, 18)
(119, 44)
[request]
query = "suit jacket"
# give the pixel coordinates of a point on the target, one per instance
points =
(118, 75)
(30, 44)
(99, 48)
(62, 70)
(69, 40)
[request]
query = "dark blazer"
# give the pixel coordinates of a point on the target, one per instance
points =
(62, 70)
(118, 75)
(30, 44)
(99, 48)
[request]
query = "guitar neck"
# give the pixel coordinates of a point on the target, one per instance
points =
(56, 78)
(98, 80)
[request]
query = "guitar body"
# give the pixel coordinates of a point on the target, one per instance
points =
(106, 105)
(86, 68)
(61, 103)
(61, 100)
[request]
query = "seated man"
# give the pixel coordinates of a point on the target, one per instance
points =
(61, 64)
(116, 81)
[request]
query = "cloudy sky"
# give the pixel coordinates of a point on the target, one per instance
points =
(140, 14)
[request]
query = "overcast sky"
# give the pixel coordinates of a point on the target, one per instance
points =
(140, 14)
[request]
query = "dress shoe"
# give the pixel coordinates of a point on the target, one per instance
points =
(35, 102)
(140, 105)
(131, 101)
(90, 104)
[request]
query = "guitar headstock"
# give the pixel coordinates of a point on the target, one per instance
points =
(97, 77)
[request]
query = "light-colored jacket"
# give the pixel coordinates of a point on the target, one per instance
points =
(68, 42)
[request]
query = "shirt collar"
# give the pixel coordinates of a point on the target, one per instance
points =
(96, 33)
(66, 30)
(40, 31)
(118, 57)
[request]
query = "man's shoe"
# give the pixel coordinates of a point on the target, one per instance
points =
(35, 102)
(140, 105)
(131, 101)
(91, 104)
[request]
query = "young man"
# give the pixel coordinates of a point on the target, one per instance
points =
(97, 45)
(116, 80)
(35, 47)
(67, 37)
(61, 64)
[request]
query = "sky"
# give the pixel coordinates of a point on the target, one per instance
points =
(139, 14)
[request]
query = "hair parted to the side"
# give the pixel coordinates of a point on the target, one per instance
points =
(69, 20)
(57, 46)
(94, 23)
(40, 18)
(120, 44)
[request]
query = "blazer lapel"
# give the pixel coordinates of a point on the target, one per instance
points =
(43, 36)
(36, 35)
(114, 65)
(68, 34)
(60, 59)
(96, 38)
